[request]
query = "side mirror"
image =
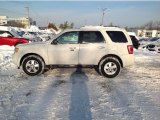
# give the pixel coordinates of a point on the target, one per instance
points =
(54, 42)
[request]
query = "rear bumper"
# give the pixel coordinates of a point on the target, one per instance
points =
(128, 60)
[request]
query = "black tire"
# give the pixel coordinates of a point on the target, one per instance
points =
(110, 67)
(33, 65)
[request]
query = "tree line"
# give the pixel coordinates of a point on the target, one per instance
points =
(152, 25)
(63, 26)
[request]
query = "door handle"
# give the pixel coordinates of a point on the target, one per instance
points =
(101, 47)
(72, 48)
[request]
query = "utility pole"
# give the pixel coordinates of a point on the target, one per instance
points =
(103, 13)
(28, 16)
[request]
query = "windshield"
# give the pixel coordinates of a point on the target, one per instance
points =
(14, 33)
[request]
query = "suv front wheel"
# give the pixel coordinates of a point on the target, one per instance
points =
(33, 65)
(110, 67)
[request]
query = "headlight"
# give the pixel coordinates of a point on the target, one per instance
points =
(16, 49)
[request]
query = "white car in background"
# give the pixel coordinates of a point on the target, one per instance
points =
(108, 49)
(153, 45)
(6, 31)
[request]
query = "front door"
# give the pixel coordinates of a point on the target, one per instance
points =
(65, 52)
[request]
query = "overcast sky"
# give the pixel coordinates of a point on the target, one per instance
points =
(122, 13)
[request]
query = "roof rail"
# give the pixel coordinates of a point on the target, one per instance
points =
(98, 27)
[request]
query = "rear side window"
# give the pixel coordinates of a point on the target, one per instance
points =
(91, 37)
(117, 36)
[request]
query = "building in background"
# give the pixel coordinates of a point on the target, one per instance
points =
(3, 20)
(148, 33)
(22, 20)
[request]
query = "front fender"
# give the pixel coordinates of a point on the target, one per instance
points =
(25, 51)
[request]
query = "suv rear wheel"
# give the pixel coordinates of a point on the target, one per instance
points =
(33, 65)
(110, 67)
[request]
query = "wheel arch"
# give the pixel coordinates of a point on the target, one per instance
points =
(112, 55)
(17, 43)
(24, 56)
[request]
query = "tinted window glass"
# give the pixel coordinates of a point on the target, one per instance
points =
(69, 37)
(5, 33)
(117, 36)
(135, 42)
(91, 37)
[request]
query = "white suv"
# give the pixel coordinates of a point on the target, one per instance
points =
(108, 49)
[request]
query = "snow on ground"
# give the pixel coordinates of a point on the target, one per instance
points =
(71, 94)
(5, 54)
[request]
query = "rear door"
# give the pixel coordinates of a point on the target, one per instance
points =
(92, 47)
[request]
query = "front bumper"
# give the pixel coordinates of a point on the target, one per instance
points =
(16, 59)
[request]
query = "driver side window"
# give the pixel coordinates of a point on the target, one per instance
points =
(68, 38)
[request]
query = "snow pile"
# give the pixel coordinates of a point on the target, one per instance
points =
(6, 54)
(6, 48)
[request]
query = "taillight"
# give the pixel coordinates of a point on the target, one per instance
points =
(26, 41)
(130, 49)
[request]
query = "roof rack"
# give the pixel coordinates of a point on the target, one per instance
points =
(98, 27)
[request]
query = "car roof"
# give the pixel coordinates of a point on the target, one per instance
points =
(95, 28)
(100, 28)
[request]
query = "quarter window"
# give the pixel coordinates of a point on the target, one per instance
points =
(91, 37)
(117, 36)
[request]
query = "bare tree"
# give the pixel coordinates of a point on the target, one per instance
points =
(51, 25)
